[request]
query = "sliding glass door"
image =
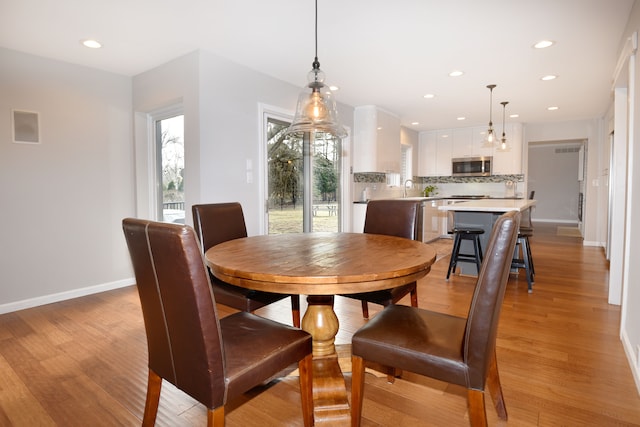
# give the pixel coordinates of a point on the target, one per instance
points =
(297, 164)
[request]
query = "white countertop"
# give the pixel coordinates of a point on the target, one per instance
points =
(490, 205)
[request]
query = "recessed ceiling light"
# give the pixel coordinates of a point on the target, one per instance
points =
(513, 116)
(552, 108)
(455, 73)
(549, 77)
(379, 128)
(543, 43)
(334, 88)
(415, 123)
(461, 118)
(90, 43)
(429, 96)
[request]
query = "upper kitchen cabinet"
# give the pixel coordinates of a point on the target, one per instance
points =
(469, 142)
(427, 153)
(376, 141)
(434, 153)
(509, 161)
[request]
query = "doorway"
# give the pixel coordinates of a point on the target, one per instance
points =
(556, 174)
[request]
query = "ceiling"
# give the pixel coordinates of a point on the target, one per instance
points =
(381, 52)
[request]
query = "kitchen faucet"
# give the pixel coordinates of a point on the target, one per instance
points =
(404, 187)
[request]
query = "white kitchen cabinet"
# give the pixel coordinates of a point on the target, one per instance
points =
(434, 153)
(509, 162)
(437, 148)
(443, 152)
(469, 142)
(462, 143)
(376, 141)
(427, 153)
(359, 213)
(433, 220)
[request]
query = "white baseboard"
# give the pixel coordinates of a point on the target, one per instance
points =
(62, 296)
(632, 358)
(592, 243)
(556, 221)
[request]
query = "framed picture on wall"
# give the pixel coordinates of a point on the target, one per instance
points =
(26, 127)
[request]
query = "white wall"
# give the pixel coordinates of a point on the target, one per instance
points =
(229, 105)
(174, 83)
(630, 331)
(221, 102)
(63, 200)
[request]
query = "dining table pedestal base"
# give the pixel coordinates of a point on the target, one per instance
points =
(330, 401)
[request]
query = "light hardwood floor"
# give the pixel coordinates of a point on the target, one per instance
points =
(83, 362)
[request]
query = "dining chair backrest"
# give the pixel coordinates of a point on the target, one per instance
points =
(486, 303)
(393, 218)
(216, 223)
(179, 310)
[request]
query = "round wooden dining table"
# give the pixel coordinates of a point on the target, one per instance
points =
(321, 265)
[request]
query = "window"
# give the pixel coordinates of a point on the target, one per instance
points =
(169, 136)
(406, 163)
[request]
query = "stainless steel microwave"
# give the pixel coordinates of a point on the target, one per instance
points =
(471, 166)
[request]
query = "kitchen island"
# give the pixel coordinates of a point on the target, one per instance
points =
(482, 213)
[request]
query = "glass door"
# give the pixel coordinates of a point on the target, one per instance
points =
(288, 180)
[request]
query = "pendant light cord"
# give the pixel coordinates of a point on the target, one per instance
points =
(504, 113)
(490, 104)
(316, 63)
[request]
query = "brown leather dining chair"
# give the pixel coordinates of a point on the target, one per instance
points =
(453, 349)
(219, 222)
(393, 218)
(213, 360)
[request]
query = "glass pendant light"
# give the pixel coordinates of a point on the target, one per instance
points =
(316, 110)
(503, 141)
(490, 139)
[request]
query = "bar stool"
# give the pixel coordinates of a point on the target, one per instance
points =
(460, 234)
(524, 248)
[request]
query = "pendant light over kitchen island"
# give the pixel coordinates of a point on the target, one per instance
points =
(503, 141)
(490, 139)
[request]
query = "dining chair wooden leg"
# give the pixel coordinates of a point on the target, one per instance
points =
(357, 389)
(215, 417)
(305, 369)
(414, 297)
(154, 386)
(295, 310)
(365, 309)
(391, 375)
(493, 384)
(477, 412)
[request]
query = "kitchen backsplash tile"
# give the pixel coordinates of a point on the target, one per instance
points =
(373, 185)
